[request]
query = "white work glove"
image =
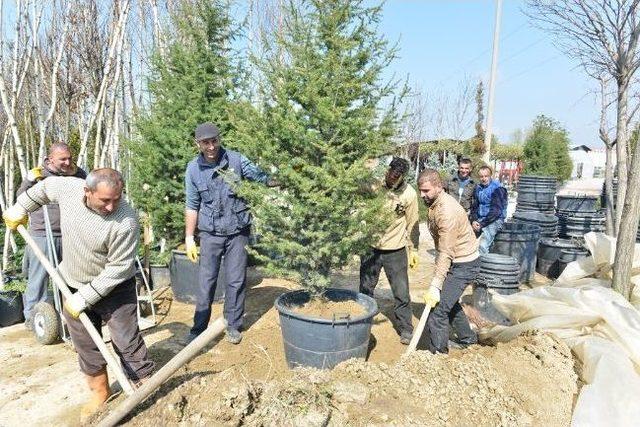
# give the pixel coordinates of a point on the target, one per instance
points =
(75, 305)
(191, 249)
(432, 296)
(14, 216)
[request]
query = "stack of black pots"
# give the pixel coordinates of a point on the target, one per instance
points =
(603, 195)
(498, 273)
(555, 254)
(536, 193)
(548, 223)
(578, 215)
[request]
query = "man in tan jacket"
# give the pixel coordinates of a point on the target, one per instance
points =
(399, 241)
(457, 264)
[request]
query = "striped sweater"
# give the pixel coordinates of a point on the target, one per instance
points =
(99, 251)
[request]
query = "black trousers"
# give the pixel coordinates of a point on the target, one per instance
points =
(395, 267)
(449, 311)
(212, 248)
(118, 310)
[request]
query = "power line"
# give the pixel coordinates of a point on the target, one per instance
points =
(538, 65)
(481, 55)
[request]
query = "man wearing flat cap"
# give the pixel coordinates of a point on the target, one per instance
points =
(223, 222)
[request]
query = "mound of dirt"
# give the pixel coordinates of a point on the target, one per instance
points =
(529, 381)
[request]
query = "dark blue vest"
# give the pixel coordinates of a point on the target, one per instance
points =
(484, 195)
(222, 212)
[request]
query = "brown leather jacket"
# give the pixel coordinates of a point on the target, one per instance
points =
(452, 234)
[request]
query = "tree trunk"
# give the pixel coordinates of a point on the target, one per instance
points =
(621, 149)
(608, 188)
(627, 230)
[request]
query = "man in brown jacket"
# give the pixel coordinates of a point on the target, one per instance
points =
(457, 264)
(397, 247)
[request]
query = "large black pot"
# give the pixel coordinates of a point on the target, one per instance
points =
(323, 343)
(521, 242)
(483, 300)
(10, 308)
(184, 278)
(160, 276)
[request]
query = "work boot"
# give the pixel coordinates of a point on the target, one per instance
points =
(234, 336)
(405, 337)
(187, 340)
(100, 392)
(28, 323)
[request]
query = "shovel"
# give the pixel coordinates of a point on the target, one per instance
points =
(419, 329)
(112, 362)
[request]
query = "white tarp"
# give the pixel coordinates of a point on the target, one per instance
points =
(598, 324)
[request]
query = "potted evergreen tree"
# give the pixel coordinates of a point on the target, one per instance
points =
(192, 81)
(319, 120)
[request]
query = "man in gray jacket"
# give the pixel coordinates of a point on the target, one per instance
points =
(59, 162)
(461, 186)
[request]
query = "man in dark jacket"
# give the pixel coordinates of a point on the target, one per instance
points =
(461, 186)
(223, 221)
(489, 209)
(59, 162)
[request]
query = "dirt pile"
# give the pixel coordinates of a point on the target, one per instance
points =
(530, 380)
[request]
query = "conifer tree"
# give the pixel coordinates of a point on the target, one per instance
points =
(190, 83)
(321, 118)
(546, 149)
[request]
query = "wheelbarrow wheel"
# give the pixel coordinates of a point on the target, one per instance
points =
(46, 323)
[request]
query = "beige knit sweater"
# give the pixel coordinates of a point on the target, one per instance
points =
(98, 251)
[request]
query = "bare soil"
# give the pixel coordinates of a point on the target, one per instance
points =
(530, 381)
(326, 309)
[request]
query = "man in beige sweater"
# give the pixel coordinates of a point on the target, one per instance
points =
(399, 241)
(100, 234)
(457, 263)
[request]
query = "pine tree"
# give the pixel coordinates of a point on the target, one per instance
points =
(320, 121)
(546, 149)
(190, 84)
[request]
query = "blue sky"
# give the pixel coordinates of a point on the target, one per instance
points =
(442, 41)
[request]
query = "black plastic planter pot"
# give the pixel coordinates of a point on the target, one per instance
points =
(483, 301)
(160, 276)
(521, 242)
(10, 308)
(323, 343)
(184, 278)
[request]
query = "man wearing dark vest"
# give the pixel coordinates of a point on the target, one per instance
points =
(59, 162)
(489, 209)
(223, 221)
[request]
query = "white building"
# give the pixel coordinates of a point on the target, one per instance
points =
(588, 162)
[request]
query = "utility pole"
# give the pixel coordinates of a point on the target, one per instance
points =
(492, 83)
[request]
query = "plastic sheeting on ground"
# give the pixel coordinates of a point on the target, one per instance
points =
(600, 326)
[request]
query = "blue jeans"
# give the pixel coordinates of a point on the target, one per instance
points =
(488, 234)
(37, 276)
(449, 311)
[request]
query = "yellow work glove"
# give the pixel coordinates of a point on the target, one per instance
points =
(191, 248)
(75, 305)
(14, 216)
(413, 259)
(35, 174)
(432, 296)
